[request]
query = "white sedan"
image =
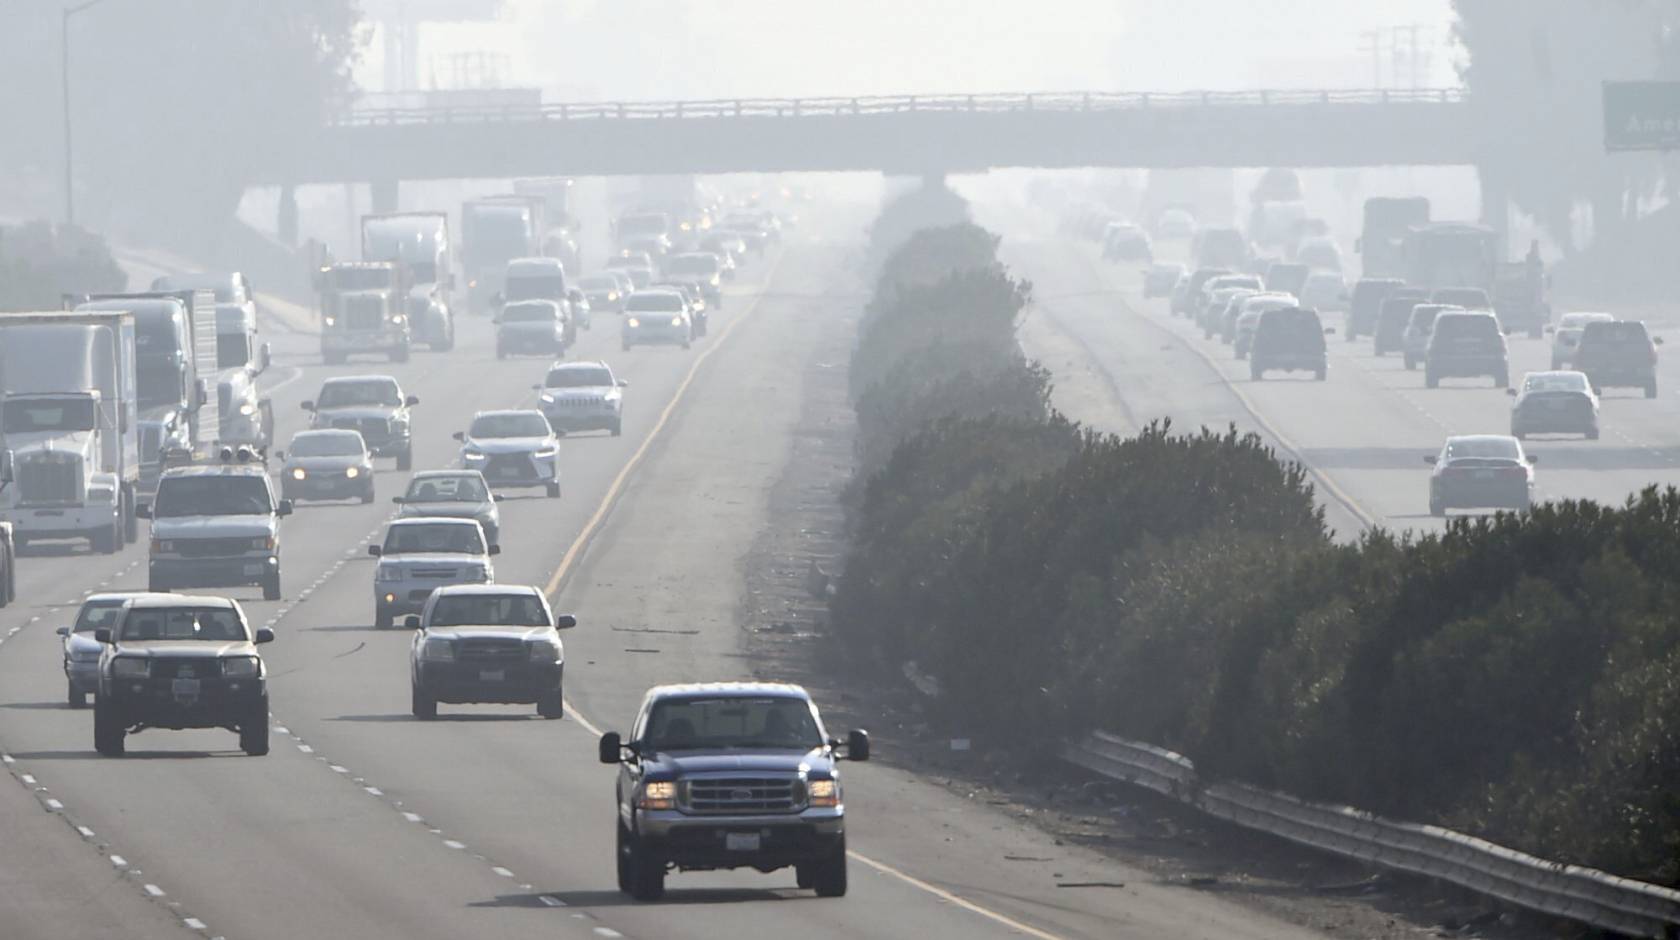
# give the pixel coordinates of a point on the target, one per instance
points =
(512, 448)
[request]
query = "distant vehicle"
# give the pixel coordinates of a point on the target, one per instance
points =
(1221, 246)
(636, 264)
(81, 650)
(1470, 298)
(1381, 243)
(1123, 241)
(1160, 279)
(582, 396)
(604, 293)
(699, 317)
(452, 494)
(538, 279)
(531, 327)
(1248, 315)
(1213, 286)
(1414, 344)
(1366, 303)
(1459, 254)
(1618, 354)
(1480, 471)
(1289, 339)
(363, 310)
(216, 526)
(1320, 254)
(1554, 403)
(418, 243)
(703, 270)
(1325, 291)
(1272, 221)
(1175, 223)
(495, 644)
(1213, 316)
(1567, 337)
(730, 775)
(1287, 276)
(643, 226)
(327, 464)
(513, 448)
(728, 244)
(1466, 344)
(1393, 315)
(494, 231)
(418, 556)
(373, 405)
(579, 313)
(179, 661)
(657, 317)
(1190, 290)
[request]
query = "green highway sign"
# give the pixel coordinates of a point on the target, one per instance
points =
(1641, 116)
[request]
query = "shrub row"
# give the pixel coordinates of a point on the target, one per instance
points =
(1517, 676)
(39, 263)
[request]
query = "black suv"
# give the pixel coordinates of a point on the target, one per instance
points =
(179, 661)
(1618, 354)
(1394, 312)
(1366, 302)
(1466, 344)
(1290, 339)
(373, 405)
(730, 775)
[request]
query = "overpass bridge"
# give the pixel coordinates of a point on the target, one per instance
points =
(914, 135)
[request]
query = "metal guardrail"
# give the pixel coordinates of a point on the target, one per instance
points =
(1587, 895)
(894, 104)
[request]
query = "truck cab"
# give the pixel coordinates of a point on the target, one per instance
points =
(216, 525)
(418, 243)
(538, 279)
(363, 311)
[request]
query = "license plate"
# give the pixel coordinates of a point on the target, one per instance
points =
(507, 471)
(1555, 405)
(253, 569)
(185, 688)
(1481, 474)
(741, 841)
(492, 675)
(48, 512)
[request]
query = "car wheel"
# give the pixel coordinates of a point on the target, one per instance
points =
(805, 875)
(405, 460)
(253, 733)
(626, 347)
(1519, 435)
(158, 586)
(830, 877)
(383, 619)
(552, 704)
(1431, 380)
(448, 341)
(400, 354)
(1502, 380)
(501, 353)
(109, 731)
(647, 874)
(685, 344)
(1320, 373)
(1437, 508)
(624, 851)
(1592, 433)
(1255, 373)
(617, 427)
(367, 497)
(553, 490)
(1410, 362)
(76, 699)
(271, 586)
(422, 705)
(1651, 389)
(106, 542)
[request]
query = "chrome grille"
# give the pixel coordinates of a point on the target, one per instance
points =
(211, 548)
(437, 574)
(741, 795)
(504, 466)
(359, 317)
(186, 668)
(49, 479)
(483, 650)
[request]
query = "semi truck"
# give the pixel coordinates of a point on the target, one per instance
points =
(70, 420)
(494, 231)
(1466, 254)
(419, 242)
(361, 306)
(560, 240)
(1382, 240)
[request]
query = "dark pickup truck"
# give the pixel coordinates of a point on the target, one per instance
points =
(730, 775)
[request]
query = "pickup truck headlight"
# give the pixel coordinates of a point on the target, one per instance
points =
(299, 473)
(131, 667)
(471, 456)
(632, 322)
(545, 651)
(240, 667)
(247, 409)
(263, 543)
(350, 473)
(388, 573)
(163, 546)
(543, 453)
(473, 572)
(823, 793)
(438, 649)
(676, 321)
(658, 794)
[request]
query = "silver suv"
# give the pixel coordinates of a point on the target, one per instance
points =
(215, 526)
(421, 555)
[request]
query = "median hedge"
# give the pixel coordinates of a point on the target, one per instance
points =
(1517, 676)
(39, 262)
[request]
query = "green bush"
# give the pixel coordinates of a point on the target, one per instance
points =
(39, 263)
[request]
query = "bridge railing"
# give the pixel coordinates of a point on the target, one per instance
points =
(895, 104)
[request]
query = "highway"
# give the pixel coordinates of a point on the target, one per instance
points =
(1363, 432)
(490, 822)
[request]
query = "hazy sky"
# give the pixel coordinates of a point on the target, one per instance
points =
(626, 49)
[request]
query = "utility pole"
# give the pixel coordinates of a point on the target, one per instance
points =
(64, 90)
(1371, 41)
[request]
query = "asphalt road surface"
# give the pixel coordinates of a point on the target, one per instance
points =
(490, 822)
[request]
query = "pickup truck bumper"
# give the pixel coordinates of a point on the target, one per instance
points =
(195, 703)
(489, 683)
(762, 842)
(235, 571)
(60, 522)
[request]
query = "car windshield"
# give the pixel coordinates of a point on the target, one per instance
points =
(327, 444)
(518, 424)
(686, 724)
(489, 610)
(653, 223)
(351, 394)
(24, 415)
(433, 537)
(576, 377)
(1579, 320)
(1483, 448)
(212, 495)
(693, 264)
(1453, 325)
(461, 488)
(596, 283)
(655, 303)
(536, 286)
(1619, 333)
(1555, 382)
(97, 614)
(529, 313)
(182, 623)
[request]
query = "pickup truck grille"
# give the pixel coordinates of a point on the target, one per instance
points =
(434, 574)
(48, 480)
(184, 668)
(370, 428)
(740, 795)
(364, 319)
(491, 651)
(211, 548)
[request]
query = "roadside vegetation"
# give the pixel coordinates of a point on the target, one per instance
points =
(1517, 676)
(38, 263)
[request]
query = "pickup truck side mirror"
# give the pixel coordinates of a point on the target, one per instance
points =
(459, 436)
(375, 550)
(623, 383)
(399, 500)
(857, 744)
(284, 509)
(493, 550)
(103, 634)
(1657, 340)
(280, 455)
(411, 401)
(1430, 460)
(143, 512)
(411, 622)
(611, 748)
(62, 631)
(1511, 392)
(564, 622)
(263, 635)
(497, 497)
(1533, 459)
(308, 406)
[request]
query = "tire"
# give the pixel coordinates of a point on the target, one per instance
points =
(623, 850)
(107, 542)
(158, 586)
(805, 875)
(368, 496)
(552, 490)
(1556, 363)
(74, 698)
(448, 341)
(422, 705)
(1255, 373)
(647, 874)
(400, 354)
(1592, 433)
(253, 733)
(1502, 380)
(617, 427)
(1320, 373)
(1651, 389)
(271, 586)
(686, 344)
(1410, 362)
(552, 704)
(405, 460)
(829, 878)
(131, 522)
(1437, 509)
(501, 353)
(109, 732)
(1431, 380)
(626, 347)
(383, 619)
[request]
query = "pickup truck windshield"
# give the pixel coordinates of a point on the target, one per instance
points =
(688, 724)
(453, 489)
(433, 538)
(24, 415)
(182, 623)
(489, 610)
(353, 394)
(539, 287)
(212, 496)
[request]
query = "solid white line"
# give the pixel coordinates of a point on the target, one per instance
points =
(607, 932)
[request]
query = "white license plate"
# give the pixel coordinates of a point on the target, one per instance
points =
(253, 569)
(1481, 474)
(741, 841)
(185, 688)
(492, 675)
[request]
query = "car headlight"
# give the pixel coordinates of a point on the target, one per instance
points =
(438, 649)
(330, 320)
(676, 321)
(240, 667)
(351, 473)
(388, 573)
(263, 543)
(299, 473)
(546, 398)
(658, 794)
(714, 280)
(473, 572)
(823, 793)
(247, 409)
(471, 455)
(131, 667)
(545, 453)
(101, 494)
(163, 546)
(545, 651)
